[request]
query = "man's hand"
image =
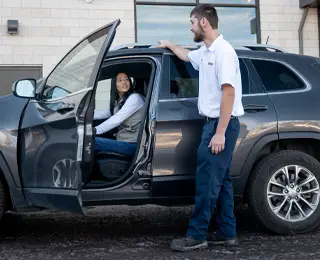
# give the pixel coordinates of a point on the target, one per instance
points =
(217, 143)
(163, 44)
(177, 50)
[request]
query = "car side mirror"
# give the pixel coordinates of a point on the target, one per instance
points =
(24, 88)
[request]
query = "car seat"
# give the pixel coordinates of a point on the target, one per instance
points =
(110, 165)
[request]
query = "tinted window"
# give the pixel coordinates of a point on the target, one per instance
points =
(184, 79)
(276, 76)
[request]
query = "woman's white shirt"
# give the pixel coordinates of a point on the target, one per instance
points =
(132, 105)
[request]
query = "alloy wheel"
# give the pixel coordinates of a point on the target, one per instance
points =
(293, 193)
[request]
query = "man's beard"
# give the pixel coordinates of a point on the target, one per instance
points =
(198, 36)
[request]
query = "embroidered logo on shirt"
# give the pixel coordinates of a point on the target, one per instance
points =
(211, 60)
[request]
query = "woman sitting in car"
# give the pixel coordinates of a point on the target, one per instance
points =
(126, 110)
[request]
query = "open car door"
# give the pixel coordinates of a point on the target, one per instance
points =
(55, 139)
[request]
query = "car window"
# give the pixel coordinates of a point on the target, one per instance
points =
(277, 77)
(184, 79)
(73, 73)
(56, 92)
(103, 94)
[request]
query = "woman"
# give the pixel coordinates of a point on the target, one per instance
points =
(126, 110)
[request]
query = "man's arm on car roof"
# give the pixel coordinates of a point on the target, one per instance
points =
(182, 53)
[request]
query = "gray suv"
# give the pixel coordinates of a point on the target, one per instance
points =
(46, 139)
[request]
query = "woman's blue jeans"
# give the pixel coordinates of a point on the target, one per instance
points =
(110, 145)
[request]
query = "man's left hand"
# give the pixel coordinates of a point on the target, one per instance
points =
(217, 143)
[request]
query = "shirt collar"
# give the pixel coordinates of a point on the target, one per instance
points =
(215, 43)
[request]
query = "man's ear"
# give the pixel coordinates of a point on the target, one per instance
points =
(203, 22)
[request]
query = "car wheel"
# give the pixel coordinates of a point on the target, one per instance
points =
(284, 192)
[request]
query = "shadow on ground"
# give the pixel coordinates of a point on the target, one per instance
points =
(112, 221)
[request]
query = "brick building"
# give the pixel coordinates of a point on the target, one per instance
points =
(47, 29)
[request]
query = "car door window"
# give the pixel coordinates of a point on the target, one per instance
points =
(73, 73)
(184, 79)
(276, 77)
(55, 92)
(247, 86)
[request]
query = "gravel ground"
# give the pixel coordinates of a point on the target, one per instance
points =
(145, 232)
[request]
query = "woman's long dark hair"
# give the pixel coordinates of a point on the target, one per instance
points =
(114, 96)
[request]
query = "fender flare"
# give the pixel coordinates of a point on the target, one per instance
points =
(299, 135)
(243, 178)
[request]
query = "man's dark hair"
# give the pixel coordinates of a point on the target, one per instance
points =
(207, 11)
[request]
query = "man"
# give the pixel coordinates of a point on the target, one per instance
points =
(219, 101)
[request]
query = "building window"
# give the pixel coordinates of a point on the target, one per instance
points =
(170, 20)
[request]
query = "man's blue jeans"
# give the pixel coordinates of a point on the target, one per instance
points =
(214, 184)
(110, 145)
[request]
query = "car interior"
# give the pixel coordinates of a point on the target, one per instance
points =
(112, 168)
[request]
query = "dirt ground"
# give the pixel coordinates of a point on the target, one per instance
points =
(145, 232)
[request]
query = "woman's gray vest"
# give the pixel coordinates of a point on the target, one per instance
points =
(129, 129)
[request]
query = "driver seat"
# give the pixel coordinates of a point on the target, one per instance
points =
(111, 166)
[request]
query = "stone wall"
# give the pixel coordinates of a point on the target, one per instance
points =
(280, 20)
(49, 28)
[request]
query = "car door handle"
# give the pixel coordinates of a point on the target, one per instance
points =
(255, 108)
(65, 108)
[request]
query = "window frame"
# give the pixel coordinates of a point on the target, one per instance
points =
(256, 5)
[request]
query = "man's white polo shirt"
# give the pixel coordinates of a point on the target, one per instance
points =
(217, 65)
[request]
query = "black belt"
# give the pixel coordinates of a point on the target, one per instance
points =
(208, 119)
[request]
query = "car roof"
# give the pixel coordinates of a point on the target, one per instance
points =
(255, 50)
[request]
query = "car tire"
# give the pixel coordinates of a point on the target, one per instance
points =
(265, 204)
